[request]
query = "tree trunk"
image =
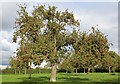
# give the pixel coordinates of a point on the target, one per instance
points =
(109, 70)
(54, 67)
(19, 71)
(39, 69)
(30, 71)
(88, 70)
(53, 74)
(84, 70)
(66, 71)
(15, 71)
(76, 70)
(25, 70)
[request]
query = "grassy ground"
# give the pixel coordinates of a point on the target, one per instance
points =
(63, 78)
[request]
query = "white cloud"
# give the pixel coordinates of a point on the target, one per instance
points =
(92, 18)
(115, 50)
(7, 47)
(41, 66)
(6, 41)
(3, 67)
(3, 35)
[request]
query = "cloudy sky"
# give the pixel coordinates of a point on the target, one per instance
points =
(103, 14)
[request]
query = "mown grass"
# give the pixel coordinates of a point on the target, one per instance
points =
(68, 78)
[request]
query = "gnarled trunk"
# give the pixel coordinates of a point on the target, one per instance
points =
(53, 73)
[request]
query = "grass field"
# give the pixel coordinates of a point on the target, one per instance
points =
(63, 78)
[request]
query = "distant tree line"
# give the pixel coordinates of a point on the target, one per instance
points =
(42, 36)
(33, 71)
(110, 64)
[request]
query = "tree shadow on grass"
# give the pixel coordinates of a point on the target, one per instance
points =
(72, 74)
(72, 79)
(34, 80)
(112, 80)
(45, 80)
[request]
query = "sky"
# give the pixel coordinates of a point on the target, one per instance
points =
(90, 14)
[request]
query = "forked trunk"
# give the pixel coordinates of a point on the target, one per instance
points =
(53, 74)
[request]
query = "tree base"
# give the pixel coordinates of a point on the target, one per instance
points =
(53, 74)
(52, 80)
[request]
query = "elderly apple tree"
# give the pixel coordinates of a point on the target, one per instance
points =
(42, 35)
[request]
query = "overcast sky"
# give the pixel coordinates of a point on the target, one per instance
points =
(103, 14)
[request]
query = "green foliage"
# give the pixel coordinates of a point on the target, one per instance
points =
(44, 44)
(96, 48)
(89, 49)
(67, 65)
(42, 34)
(8, 71)
(111, 61)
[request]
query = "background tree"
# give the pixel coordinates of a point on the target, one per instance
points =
(118, 62)
(76, 44)
(17, 64)
(13, 64)
(66, 63)
(111, 61)
(91, 47)
(27, 30)
(114, 57)
(98, 47)
(75, 62)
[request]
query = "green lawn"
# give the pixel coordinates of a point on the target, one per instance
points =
(63, 78)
